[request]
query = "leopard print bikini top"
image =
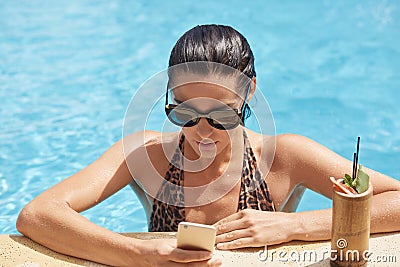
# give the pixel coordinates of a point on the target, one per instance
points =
(166, 217)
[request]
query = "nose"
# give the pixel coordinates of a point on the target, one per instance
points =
(204, 129)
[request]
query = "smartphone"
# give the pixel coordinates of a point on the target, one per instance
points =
(196, 236)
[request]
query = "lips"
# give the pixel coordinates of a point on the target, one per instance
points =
(206, 144)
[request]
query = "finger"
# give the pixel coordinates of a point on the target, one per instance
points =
(230, 226)
(230, 218)
(238, 243)
(230, 236)
(208, 263)
(214, 262)
(183, 255)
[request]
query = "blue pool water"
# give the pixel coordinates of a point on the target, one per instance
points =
(329, 69)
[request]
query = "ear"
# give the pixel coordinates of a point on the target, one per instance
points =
(252, 88)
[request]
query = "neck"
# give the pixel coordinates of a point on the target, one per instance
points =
(228, 157)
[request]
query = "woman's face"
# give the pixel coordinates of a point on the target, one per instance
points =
(204, 98)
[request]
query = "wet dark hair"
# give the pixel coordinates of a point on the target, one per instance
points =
(215, 43)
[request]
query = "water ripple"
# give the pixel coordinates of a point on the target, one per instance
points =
(68, 69)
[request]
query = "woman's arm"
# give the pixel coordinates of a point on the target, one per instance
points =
(53, 220)
(310, 164)
(313, 165)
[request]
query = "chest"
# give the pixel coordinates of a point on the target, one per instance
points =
(212, 211)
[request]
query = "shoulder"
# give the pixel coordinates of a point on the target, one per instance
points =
(281, 141)
(282, 144)
(299, 147)
(292, 140)
(290, 150)
(147, 156)
(292, 143)
(146, 139)
(149, 149)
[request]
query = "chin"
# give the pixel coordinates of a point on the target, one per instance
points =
(207, 154)
(210, 153)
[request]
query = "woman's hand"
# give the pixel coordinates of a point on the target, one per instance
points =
(255, 228)
(163, 252)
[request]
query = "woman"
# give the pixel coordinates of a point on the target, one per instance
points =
(214, 140)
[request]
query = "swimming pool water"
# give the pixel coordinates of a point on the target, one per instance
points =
(68, 69)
